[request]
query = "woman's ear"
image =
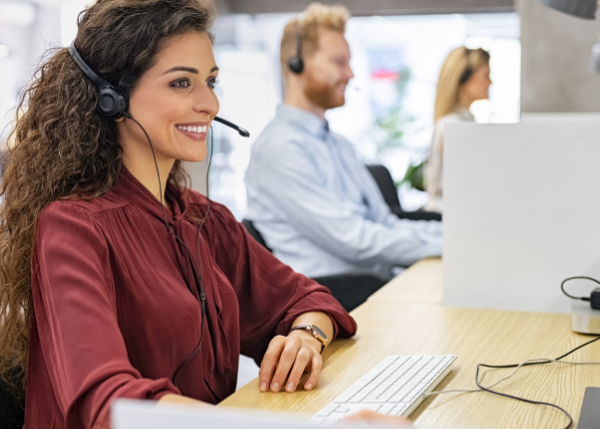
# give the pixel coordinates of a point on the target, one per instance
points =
(121, 119)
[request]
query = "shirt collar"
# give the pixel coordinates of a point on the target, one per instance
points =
(303, 119)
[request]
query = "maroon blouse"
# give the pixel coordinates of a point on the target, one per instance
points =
(114, 317)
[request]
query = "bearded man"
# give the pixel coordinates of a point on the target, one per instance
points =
(315, 204)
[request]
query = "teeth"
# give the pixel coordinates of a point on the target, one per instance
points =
(195, 130)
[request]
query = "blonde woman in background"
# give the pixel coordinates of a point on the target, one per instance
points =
(464, 78)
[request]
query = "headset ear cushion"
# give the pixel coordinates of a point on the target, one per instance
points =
(111, 103)
(296, 65)
(466, 75)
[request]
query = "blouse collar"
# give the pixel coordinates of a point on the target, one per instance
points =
(130, 188)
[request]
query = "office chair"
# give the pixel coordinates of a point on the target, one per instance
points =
(255, 234)
(386, 184)
(12, 412)
(351, 289)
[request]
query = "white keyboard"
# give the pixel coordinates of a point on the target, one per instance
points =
(395, 386)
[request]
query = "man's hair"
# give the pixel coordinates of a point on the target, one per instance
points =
(315, 17)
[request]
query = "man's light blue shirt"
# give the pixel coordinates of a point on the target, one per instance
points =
(318, 207)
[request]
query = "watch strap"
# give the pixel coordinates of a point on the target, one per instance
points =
(314, 333)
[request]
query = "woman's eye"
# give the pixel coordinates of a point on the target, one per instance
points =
(211, 83)
(182, 83)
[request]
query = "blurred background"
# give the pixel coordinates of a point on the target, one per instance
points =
(538, 63)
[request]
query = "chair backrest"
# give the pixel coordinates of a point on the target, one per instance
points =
(12, 414)
(386, 184)
(255, 234)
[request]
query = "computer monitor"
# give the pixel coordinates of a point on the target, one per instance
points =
(521, 204)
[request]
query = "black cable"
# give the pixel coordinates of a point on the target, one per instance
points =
(202, 295)
(530, 401)
(197, 271)
(582, 298)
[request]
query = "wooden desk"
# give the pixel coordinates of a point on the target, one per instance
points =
(422, 283)
(400, 320)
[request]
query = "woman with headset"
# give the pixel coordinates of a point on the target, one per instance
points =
(117, 280)
(464, 78)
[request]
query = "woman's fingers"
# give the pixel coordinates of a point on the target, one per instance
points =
(270, 361)
(286, 360)
(303, 357)
(316, 367)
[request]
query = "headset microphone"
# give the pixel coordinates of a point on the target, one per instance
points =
(243, 132)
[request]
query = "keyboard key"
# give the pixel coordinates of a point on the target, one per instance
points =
(325, 412)
(386, 408)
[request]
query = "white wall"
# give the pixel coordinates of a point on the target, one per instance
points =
(555, 48)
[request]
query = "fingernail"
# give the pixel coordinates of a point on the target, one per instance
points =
(308, 386)
(263, 387)
(275, 387)
(290, 387)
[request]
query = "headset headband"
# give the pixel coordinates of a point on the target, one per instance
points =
(295, 63)
(466, 75)
(98, 81)
(112, 103)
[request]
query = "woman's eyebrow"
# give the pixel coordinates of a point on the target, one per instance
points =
(186, 69)
(189, 69)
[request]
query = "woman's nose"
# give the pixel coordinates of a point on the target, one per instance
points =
(207, 102)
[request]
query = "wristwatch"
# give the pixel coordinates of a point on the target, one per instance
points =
(315, 332)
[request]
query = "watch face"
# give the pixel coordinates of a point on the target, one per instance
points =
(321, 333)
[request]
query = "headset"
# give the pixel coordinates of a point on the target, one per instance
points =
(295, 63)
(466, 75)
(112, 102)
(113, 105)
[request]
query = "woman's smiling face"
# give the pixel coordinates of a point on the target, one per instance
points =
(175, 101)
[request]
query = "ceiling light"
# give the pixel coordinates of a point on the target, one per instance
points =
(4, 51)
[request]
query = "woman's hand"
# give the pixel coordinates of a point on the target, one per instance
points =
(367, 416)
(289, 357)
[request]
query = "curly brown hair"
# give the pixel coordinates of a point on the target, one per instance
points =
(63, 149)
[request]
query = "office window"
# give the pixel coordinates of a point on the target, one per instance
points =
(388, 114)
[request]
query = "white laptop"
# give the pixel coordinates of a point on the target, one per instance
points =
(132, 414)
(521, 211)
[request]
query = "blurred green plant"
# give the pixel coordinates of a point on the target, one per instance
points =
(391, 123)
(414, 176)
(390, 127)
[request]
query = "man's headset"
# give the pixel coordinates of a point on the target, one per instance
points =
(295, 63)
(112, 102)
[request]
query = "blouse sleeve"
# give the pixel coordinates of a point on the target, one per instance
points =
(270, 294)
(75, 312)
